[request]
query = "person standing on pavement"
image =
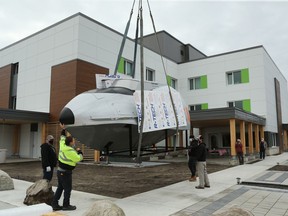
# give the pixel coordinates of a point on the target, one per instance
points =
(192, 157)
(263, 146)
(48, 158)
(67, 158)
(239, 151)
(201, 164)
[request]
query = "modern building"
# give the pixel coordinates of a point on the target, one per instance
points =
(239, 94)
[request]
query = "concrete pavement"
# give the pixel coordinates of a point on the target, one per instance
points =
(183, 199)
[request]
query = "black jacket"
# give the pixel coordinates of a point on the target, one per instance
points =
(193, 148)
(201, 152)
(48, 154)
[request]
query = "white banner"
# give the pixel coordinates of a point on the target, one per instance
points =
(158, 110)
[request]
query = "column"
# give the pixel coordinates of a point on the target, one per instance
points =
(242, 136)
(232, 136)
(285, 139)
(96, 156)
(257, 137)
(261, 128)
(250, 138)
(181, 138)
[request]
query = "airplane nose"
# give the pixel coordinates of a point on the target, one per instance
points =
(66, 116)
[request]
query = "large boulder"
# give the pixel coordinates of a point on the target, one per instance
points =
(40, 192)
(234, 211)
(104, 208)
(6, 182)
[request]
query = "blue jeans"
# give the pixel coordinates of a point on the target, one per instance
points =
(192, 165)
(64, 183)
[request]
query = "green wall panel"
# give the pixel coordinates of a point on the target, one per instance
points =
(204, 106)
(169, 80)
(121, 66)
(247, 105)
(245, 75)
(203, 81)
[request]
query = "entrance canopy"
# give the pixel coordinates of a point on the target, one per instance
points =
(21, 116)
(222, 116)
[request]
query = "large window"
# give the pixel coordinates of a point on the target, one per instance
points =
(237, 77)
(150, 74)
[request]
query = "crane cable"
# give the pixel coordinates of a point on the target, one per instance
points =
(124, 40)
(136, 43)
(170, 94)
(142, 84)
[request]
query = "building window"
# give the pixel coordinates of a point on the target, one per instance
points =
(237, 77)
(195, 107)
(198, 107)
(125, 67)
(128, 67)
(13, 84)
(173, 83)
(195, 83)
(198, 82)
(13, 102)
(150, 74)
(238, 104)
(242, 104)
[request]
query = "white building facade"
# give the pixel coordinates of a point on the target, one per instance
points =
(41, 73)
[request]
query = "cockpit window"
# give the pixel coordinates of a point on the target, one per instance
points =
(116, 90)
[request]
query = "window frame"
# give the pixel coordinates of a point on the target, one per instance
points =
(195, 107)
(232, 81)
(147, 75)
(126, 64)
(234, 104)
(195, 85)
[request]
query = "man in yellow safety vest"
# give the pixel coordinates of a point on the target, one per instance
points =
(67, 160)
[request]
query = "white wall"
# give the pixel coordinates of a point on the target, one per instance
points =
(36, 55)
(218, 92)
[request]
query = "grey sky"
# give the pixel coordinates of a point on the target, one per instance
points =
(213, 27)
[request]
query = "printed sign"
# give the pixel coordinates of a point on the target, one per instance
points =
(158, 110)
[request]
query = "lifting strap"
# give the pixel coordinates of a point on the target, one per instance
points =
(170, 94)
(124, 40)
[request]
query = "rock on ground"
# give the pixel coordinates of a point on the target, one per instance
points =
(6, 182)
(234, 211)
(104, 208)
(40, 192)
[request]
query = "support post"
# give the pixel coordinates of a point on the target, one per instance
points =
(242, 136)
(257, 137)
(250, 137)
(233, 136)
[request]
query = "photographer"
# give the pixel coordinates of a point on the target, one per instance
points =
(68, 158)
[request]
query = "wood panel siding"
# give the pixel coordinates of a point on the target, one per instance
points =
(86, 75)
(70, 79)
(5, 82)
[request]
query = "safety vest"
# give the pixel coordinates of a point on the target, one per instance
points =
(67, 154)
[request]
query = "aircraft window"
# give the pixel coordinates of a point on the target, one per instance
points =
(116, 90)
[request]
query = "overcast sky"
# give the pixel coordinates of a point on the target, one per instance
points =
(212, 27)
